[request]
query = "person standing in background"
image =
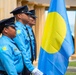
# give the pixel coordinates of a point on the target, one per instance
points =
(31, 22)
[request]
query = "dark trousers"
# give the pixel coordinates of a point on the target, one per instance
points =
(26, 71)
(7, 74)
(4, 73)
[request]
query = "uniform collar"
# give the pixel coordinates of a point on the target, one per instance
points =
(7, 38)
(28, 26)
(19, 24)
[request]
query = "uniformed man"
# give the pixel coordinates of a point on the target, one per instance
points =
(11, 62)
(22, 38)
(31, 22)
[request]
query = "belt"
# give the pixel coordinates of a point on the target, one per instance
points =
(3, 72)
(19, 73)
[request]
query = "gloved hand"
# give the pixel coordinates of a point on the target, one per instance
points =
(37, 72)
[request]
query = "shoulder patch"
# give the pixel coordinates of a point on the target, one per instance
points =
(4, 48)
(18, 31)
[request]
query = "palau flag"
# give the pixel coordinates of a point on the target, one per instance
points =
(57, 44)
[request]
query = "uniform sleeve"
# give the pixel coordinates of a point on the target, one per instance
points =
(6, 60)
(19, 40)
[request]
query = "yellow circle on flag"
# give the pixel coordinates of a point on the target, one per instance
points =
(54, 33)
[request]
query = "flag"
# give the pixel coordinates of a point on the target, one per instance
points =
(57, 44)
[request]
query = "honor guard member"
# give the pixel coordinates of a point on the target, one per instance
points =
(11, 62)
(31, 22)
(22, 38)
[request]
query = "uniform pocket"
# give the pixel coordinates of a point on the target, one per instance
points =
(16, 51)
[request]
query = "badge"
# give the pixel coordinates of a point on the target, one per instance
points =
(15, 49)
(4, 48)
(18, 31)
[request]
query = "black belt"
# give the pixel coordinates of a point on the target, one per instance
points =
(3, 72)
(19, 73)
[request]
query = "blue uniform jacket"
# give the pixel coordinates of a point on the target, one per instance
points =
(33, 42)
(23, 42)
(10, 57)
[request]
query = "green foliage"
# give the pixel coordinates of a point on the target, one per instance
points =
(73, 63)
(70, 73)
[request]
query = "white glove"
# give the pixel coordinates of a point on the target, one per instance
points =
(37, 72)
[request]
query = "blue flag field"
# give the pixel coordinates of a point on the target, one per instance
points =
(57, 44)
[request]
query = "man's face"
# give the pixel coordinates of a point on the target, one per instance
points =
(24, 17)
(32, 21)
(10, 31)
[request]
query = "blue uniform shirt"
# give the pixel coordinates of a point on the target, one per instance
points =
(10, 57)
(33, 42)
(23, 42)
